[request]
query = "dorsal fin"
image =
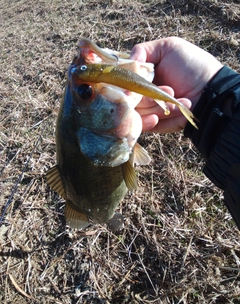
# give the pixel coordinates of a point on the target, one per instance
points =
(54, 180)
(129, 175)
(140, 155)
(75, 219)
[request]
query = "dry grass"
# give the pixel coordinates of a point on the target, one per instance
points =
(179, 244)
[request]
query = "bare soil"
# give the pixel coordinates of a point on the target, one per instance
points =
(179, 243)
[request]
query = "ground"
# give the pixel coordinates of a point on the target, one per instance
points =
(179, 243)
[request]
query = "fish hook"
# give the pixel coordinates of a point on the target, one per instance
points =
(114, 55)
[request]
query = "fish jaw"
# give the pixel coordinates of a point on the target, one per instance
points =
(89, 52)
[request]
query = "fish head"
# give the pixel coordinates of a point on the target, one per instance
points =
(106, 124)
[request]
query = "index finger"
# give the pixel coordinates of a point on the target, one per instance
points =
(148, 51)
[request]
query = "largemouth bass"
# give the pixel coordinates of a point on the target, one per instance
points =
(97, 131)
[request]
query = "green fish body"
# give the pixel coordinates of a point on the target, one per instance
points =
(90, 191)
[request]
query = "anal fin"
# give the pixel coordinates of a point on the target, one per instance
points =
(75, 219)
(54, 180)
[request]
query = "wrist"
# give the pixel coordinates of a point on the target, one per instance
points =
(218, 113)
(213, 110)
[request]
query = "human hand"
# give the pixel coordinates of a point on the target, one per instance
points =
(181, 69)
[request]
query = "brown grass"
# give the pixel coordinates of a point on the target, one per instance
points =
(179, 244)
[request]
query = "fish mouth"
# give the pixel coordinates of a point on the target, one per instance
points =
(89, 52)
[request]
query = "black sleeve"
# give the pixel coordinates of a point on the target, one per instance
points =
(218, 136)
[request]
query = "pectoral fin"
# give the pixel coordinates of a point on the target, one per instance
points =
(54, 180)
(74, 218)
(140, 155)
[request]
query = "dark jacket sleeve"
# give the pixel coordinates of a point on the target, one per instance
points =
(218, 136)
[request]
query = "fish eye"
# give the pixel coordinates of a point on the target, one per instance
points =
(83, 68)
(84, 91)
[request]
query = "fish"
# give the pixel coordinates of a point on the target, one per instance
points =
(97, 131)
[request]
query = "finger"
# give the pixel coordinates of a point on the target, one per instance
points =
(171, 125)
(148, 51)
(157, 110)
(149, 122)
(139, 53)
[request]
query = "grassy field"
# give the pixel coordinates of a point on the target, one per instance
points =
(179, 243)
